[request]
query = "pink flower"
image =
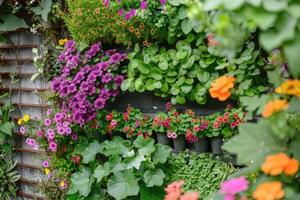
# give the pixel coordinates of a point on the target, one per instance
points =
(45, 164)
(144, 5)
(74, 137)
(174, 135)
(49, 111)
(60, 130)
(36, 147)
(190, 196)
(53, 146)
(163, 2)
(173, 195)
(121, 12)
(127, 16)
(22, 130)
(233, 186)
(132, 12)
(47, 122)
(175, 186)
(39, 133)
(169, 134)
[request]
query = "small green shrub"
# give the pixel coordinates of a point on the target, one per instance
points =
(200, 172)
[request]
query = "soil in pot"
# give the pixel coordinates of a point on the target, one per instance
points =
(216, 145)
(200, 146)
(179, 143)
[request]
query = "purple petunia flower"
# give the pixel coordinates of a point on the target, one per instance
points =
(132, 12)
(22, 130)
(39, 133)
(74, 137)
(119, 80)
(121, 12)
(53, 146)
(163, 2)
(106, 78)
(60, 130)
(45, 164)
(95, 48)
(99, 103)
(49, 111)
(144, 5)
(36, 147)
(58, 116)
(106, 3)
(127, 16)
(47, 122)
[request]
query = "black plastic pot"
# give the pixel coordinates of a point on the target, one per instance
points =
(162, 139)
(200, 146)
(179, 143)
(216, 145)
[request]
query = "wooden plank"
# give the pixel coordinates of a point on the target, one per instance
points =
(16, 59)
(21, 74)
(25, 46)
(27, 195)
(23, 165)
(28, 150)
(28, 105)
(6, 89)
(28, 181)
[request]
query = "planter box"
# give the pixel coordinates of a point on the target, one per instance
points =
(216, 145)
(163, 139)
(200, 146)
(179, 143)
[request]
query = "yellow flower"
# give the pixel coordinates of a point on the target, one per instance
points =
(61, 42)
(26, 118)
(290, 87)
(62, 184)
(20, 121)
(47, 171)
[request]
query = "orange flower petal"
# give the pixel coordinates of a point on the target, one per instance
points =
(292, 167)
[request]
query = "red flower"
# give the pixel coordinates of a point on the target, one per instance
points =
(109, 116)
(216, 125)
(235, 115)
(225, 119)
(220, 119)
(196, 128)
(125, 117)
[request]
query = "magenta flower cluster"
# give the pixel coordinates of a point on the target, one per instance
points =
(88, 80)
(55, 125)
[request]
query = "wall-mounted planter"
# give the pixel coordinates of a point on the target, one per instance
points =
(162, 139)
(216, 144)
(179, 143)
(200, 146)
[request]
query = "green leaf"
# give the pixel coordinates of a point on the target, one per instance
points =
(291, 51)
(231, 5)
(285, 30)
(11, 23)
(139, 85)
(180, 99)
(263, 19)
(161, 154)
(102, 171)
(91, 151)
(254, 103)
(7, 128)
(294, 105)
(154, 178)
(126, 83)
(117, 146)
(203, 77)
(150, 84)
(43, 9)
(294, 147)
(251, 138)
(182, 13)
(186, 88)
(186, 26)
(145, 146)
(134, 162)
(163, 65)
(274, 5)
(123, 184)
(81, 182)
(152, 193)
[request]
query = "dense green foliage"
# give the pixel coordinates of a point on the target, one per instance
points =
(201, 172)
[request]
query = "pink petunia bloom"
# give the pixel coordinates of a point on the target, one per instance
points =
(127, 16)
(121, 12)
(49, 111)
(233, 186)
(144, 5)
(22, 130)
(163, 2)
(173, 195)
(190, 196)
(45, 164)
(47, 122)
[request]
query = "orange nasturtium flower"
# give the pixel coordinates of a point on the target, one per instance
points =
(273, 107)
(278, 163)
(269, 191)
(220, 88)
(290, 87)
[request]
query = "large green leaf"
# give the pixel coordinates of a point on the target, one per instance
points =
(161, 154)
(154, 177)
(145, 146)
(274, 5)
(81, 182)
(294, 147)
(11, 23)
(102, 171)
(117, 146)
(291, 51)
(254, 143)
(152, 193)
(254, 103)
(7, 128)
(43, 9)
(134, 162)
(123, 184)
(91, 151)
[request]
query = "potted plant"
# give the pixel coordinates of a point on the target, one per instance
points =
(160, 125)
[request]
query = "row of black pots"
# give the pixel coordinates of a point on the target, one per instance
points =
(203, 145)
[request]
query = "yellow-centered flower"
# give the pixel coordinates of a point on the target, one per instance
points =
(47, 171)
(20, 121)
(26, 118)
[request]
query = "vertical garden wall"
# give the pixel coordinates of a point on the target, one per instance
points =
(140, 100)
